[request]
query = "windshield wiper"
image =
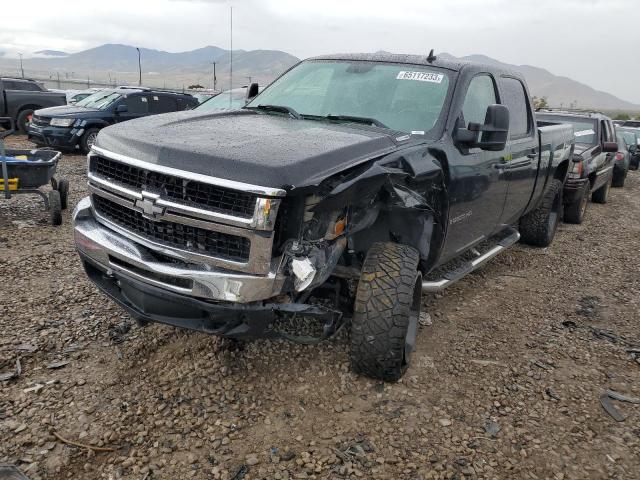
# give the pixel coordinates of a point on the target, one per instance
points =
(350, 118)
(278, 108)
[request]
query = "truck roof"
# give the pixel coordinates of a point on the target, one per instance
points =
(423, 60)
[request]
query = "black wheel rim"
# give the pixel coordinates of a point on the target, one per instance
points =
(414, 315)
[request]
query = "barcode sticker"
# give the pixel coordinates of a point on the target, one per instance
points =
(420, 76)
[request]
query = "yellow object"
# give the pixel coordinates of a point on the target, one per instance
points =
(21, 157)
(13, 184)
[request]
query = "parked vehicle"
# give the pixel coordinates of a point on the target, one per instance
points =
(77, 126)
(591, 169)
(226, 101)
(344, 190)
(622, 160)
(631, 123)
(20, 97)
(631, 137)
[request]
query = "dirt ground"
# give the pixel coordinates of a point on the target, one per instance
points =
(506, 381)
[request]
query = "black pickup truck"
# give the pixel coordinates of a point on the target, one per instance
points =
(20, 97)
(592, 166)
(339, 194)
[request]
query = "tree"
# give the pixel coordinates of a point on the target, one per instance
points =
(196, 87)
(622, 116)
(539, 102)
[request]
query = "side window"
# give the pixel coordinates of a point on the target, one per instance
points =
(515, 98)
(10, 85)
(480, 95)
(136, 104)
(162, 104)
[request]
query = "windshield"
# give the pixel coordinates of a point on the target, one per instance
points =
(408, 98)
(229, 100)
(583, 129)
(99, 100)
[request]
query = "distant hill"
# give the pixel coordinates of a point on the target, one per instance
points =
(51, 53)
(560, 91)
(121, 61)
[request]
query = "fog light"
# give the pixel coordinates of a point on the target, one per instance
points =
(304, 271)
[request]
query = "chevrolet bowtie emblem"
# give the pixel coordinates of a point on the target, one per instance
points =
(147, 205)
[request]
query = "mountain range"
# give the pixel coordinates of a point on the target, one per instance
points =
(119, 63)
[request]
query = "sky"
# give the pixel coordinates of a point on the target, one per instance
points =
(596, 42)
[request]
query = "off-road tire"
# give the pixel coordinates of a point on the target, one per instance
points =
(84, 140)
(55, 207)
(576, 211)
(63, 188)
(22, 122)
(618, 180)
(539, 226)
(602, 194)
(387, 307)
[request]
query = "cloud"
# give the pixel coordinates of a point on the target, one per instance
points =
(593, 41)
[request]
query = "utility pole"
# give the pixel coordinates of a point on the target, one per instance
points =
(215, 79)
(21, 69)
(249, 79)
(139, 68)
(58, 73)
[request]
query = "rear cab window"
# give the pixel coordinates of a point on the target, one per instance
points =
(514, 96)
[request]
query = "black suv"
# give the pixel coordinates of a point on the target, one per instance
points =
(591, 170)
(77, 126)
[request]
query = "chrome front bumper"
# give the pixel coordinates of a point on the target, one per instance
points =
(110, 251)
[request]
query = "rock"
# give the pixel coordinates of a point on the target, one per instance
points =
(445, 422)
(252, 459)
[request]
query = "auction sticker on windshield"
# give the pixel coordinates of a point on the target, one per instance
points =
(420, 76)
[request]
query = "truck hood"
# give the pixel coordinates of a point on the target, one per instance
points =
(260, 149)
(581, 148)
(64, 111)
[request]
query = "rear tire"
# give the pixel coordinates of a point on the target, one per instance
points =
(23, 120)
(63, 188)
(387, 307)
(538, 227)
(55, 207)
(602, 194)
(575, 212)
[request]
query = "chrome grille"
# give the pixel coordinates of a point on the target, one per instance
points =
(189, 192)
(177, 235)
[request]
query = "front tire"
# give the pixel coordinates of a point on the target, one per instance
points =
(619, 179)
(387, 306)
(602, 194)
(88, 139)
(23, 120)
(575, 212)
(539, 226)
(63, 188)
(55, 207)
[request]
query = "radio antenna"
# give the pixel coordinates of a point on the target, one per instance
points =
(231, 60)
(431, 58)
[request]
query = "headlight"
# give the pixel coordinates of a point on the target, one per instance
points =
(62, 122)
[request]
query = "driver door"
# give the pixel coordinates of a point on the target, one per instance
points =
(478, 187)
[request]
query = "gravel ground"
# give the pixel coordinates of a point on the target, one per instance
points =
(506, 381)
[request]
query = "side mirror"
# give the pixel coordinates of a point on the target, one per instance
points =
(122, 109)
(492, 135)
(609, 147)
(252, 92)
